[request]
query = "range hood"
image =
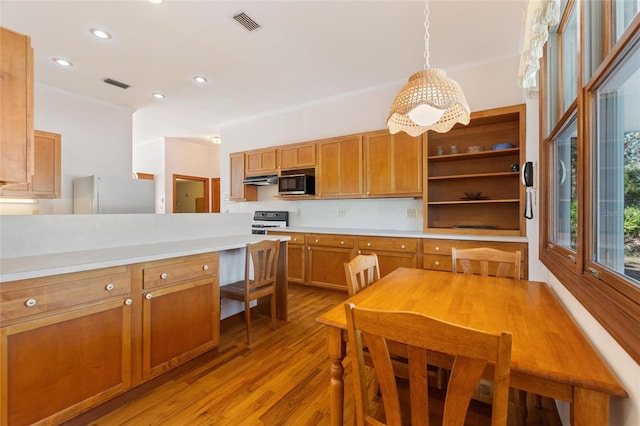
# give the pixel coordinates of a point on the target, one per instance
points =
(261, 180)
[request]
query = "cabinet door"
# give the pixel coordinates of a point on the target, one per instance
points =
(296, 264)
(325, 266)
(45, 182)
(340, 167)
(393, 164)
(239, 191)
(58, 366)
(16, 107)
(390, 261)
(172, 336)
(261, 161)
(297, 156)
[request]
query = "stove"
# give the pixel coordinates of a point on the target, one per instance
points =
(263, 220)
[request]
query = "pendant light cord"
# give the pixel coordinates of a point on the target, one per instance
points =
(426, 34)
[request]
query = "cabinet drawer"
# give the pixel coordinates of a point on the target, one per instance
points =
(437, 262)
(408, 245)
(331, 240)
(187, 269)
(24, 298)
(296, 238)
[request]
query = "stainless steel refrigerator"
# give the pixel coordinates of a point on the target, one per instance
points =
(103, 195)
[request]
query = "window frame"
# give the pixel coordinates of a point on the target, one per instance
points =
(612, 300)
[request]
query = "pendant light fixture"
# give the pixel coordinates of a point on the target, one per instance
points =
(430, 100)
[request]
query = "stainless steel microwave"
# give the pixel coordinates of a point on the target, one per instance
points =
(300, 184)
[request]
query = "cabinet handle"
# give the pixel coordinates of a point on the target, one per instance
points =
(109, 287)
(128, 301)
(309, 248)
(402, 247)
(368, 244)
(295, 239)
(31, 302)
(359, 251)
(437, 248)
(163, 276)
(342, 242)
(205, 268)
(317, 241)
(437, 263)
(148, 296)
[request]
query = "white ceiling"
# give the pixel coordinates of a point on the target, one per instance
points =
(304, 51)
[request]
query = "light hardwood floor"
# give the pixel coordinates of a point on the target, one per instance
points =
(282, 380)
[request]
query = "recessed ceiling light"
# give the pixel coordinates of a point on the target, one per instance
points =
(158, 95)
(156, 1)
(62, 62)
(199, 79)
(100, 33)
(216, 139)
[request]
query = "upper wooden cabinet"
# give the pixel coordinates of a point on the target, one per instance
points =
(261, 161)
(299, 156)
(339, 171)
(238, 190)
(393, 164)
(45, 182)
(486, 161)
(16, 107)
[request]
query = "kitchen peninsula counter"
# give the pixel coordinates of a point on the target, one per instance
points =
(25, 267)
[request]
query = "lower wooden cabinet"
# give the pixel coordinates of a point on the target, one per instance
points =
(437, 252)
(70, 342)
(326, 255)
(59, 358)
(172, 335)
(392, 252)
(296, 256)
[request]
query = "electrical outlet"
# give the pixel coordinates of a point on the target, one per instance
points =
(411, 212)
(342, 213)
(419, 212)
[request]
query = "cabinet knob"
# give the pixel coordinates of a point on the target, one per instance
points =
(317, 241)
(402, 246)
(437, 263)
(128, 301)
(148, 296)
(109, 287)
(309, 248)
(342, 242)
(359, 251)
(163, 276)
(31, 302)
(368, 244)
(295, 239)
(205, 268)
(437, 248)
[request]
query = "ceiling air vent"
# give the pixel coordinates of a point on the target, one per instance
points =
(116, 83)
(246, 21)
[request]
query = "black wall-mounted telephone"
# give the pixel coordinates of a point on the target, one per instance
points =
(527, 180)
(527, 174)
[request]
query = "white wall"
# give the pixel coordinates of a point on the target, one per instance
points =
(148, 157)
(96, 139)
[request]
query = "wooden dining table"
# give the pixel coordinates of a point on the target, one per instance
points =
(550, 355)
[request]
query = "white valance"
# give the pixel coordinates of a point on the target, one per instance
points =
(541, 14)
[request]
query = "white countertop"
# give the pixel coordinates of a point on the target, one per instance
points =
(401, 234)
(20, 268)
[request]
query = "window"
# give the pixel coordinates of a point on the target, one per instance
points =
(564, 183)
(590, 161)
(616, 146)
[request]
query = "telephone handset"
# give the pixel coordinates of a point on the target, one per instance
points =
(527, 180)
(527, 174)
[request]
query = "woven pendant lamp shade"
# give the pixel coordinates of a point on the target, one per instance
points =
(428, 87)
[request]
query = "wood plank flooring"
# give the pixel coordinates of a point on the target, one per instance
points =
(282, 380)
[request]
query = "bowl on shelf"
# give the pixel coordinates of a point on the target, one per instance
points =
(475, 148)
(473, 195)
(504, 145)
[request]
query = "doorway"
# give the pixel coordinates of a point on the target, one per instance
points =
(190, 194)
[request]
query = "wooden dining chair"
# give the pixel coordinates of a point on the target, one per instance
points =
(361, 271)
(492, 261)
(471, 349)
(262, 258)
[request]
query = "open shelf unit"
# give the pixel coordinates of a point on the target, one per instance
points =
(495, 174)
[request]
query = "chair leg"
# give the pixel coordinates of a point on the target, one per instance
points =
(273, 311)
(247, 320)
